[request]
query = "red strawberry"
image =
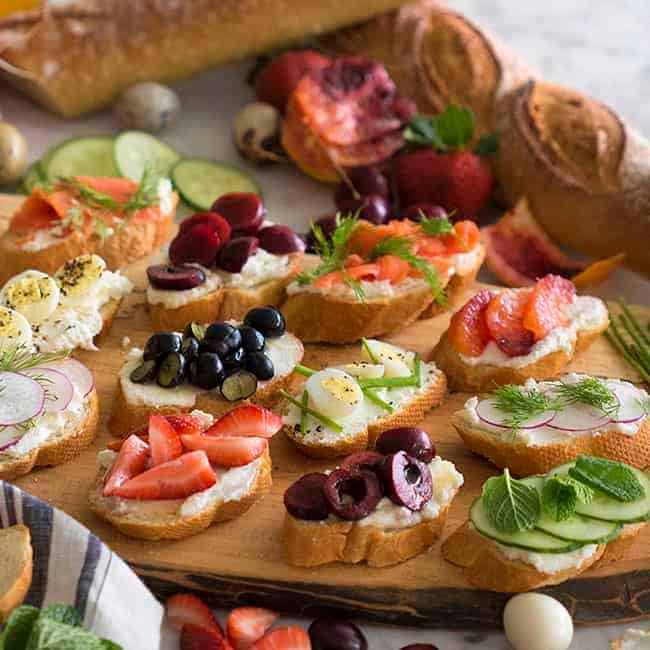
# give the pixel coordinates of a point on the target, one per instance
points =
(468, 184)
(187, 608)
(246, 421)
(118, 443)
(199, 244)
(248, 624)
(213, 219)
(227, 451)
(131, 461)
(196, 637)
(163, 440)
(185, 423)
(419, 177)
(175, 479)
(284, 638)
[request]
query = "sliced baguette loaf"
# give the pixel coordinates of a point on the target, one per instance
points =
(16, 567)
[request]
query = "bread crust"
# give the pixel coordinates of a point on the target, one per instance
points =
(523, 460)
(309, 543)
(484, 377)
(59, 449)
(411, 415)
(176, 526)
(16, 594)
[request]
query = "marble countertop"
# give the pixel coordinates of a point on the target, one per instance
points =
(597, 46)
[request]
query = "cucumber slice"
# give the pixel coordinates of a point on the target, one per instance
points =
(134, 150)
(85, 156)
(608, 509)
(32, 176)
(531, 540)
(201, 182)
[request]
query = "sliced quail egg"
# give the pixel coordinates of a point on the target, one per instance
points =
(334, 392)
(15, 330)
(77, 278)
(364, 369)
(32, 293)
(397, 362)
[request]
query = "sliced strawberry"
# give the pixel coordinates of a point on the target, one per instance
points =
(185, 423)
(218, 223)
(505, 320)
(468, 331)
(284, 638)
(163, 440)
(116, 445)
(187, 608)
(131, 461)
(199, 244)
(175, 479)
(227, 451)
(246, 420)
(548, 305)
(197, 637)
(248, 624)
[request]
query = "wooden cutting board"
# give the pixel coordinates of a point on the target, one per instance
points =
(241, 561)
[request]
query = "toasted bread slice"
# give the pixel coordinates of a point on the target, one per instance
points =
(174, 524)
(57, 449)
(486, 567)
(634, 636)
(228, 302)
(16, 567)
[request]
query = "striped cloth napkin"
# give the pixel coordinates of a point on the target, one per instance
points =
(73, 566)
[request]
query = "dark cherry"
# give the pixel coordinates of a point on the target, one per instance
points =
(267, 320)
(234, 359)
(199, 244)
(280, 240)
(420, 646)
(352, 495)
(207, 371)
(414, 212)
(336, 634)
(260, 365)
(244, 211)
(252, 340)
(175, 278)
(234, 255)
(161, 344)
(373, 208)
(190, 348)
(305, 498)
(415, 442)
(364, 460)
(214, 220)
(407, 480)
(365, 181)
(171, 371)
(226, 333)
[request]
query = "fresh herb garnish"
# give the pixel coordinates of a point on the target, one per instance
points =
(375, 399)
(520, 404)
(511, 505)
(437, 227)
(631, 339)
(147, 193)
(17, 358)
(356, 287)
(560, 495)
(645, 405)
(609, 477)
(328, 422)
(90, 195)
(303, 414)
(589, 391)
(305, 371)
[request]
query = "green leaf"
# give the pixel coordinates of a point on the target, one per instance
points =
(49, 634)
(109, 645)
(422, 131)
(511, 505)
(613, 479)
(63, 614)
(560, 495)
(450, 130)
(488, 145)
(19, 627)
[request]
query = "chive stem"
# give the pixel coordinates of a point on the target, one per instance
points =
(315, 414)
(375, 399)
(304, 370)
(303, 413)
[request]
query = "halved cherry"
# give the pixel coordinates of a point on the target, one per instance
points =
(199, 244)
(219, 224)
(505, 321)
(244, 211)
(235, 253)
(280, 240)
(175, 278)
(548, 305)
(468, 331)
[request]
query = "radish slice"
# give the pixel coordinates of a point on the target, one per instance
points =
(488, 412)
(579, 417)
(81, 376)
(9, 436)
(630, 409)
(21, 398)
(58, 388)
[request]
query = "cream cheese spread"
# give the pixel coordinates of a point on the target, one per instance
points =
(260, 268)
(550, 563)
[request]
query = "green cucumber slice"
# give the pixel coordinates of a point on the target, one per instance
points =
(134, 150)
(85, 156)
(201, 182)
(33, 176)
(531, 540)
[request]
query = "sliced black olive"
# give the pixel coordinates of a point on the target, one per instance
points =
(252, 340)
(146, 371)
(240, 385)
(260, 365)
(172, 370)
(267, 320)
(160, 345)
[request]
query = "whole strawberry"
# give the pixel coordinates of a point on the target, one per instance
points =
(419, 176)
(468, 184)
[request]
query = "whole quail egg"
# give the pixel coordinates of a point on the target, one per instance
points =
(256, 132)
(13, 154)
(147, 106)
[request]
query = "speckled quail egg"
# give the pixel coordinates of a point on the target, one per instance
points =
(13, 154)
(148, 106)
(397, 362)
(77, 277)
(32, 293)
(364, 369)
(15, 330)
(537, 622)
(334, 393)
(256, 131)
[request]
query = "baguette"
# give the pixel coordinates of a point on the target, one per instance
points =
(635, 637)
(16, 568)
(81, 55)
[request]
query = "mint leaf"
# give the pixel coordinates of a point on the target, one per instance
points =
(49, 634)
(452, 129)
(422, 131)
(560, 495)
(62, 613)
(616, 480)
(511, 505)
(109, 645)
(488, 145)
(19, 627)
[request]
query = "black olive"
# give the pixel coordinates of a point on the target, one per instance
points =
(159, 345)
(224, 332)
(252, 340)
(216, 347)
(194, 330)
(146, 371)
(240, 385)
(172, 370)
(234, 359)
(190, 348)
(267, 320)
(260, 365)
(207, 371)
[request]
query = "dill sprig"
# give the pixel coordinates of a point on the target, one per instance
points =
(147, 194)
(589, 391)
(90, 195)
(17, 358)
(436, 227)
(520, 404)
(355, 285)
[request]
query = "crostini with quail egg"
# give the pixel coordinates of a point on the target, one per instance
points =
(48, 409)
(119, 220)
(63, 311)
(507, 336)
(341, 410)
(523, 534)
(372, 280)
(212, 367)
(181, 473)
(534, 427)
(222, 263)
(380, 507)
